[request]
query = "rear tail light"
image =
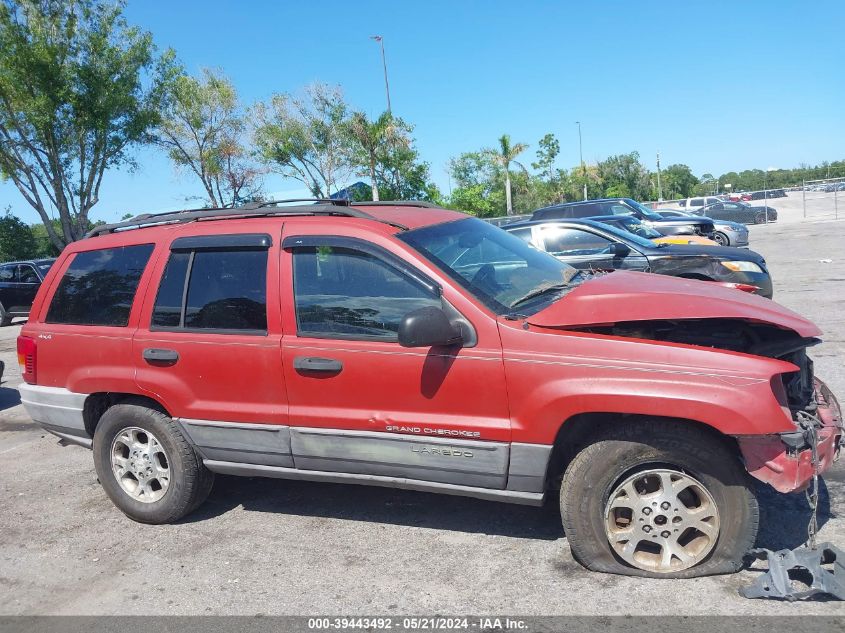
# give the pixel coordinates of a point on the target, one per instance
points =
(26, 358)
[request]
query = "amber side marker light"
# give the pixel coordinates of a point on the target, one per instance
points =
(26, 358)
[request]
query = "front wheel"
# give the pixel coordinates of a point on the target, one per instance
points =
(658, 499)
(760, 218)
(721, 239)
(146, 466)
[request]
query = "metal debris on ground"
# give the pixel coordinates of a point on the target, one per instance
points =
(790, 569)
(806, 567)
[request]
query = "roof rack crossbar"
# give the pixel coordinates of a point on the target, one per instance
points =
(394, 203)
(267, 209)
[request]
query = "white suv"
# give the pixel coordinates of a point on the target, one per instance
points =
(695, 204)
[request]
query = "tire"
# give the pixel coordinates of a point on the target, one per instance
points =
(176, 484)
(760, 218)
(594, 481)
(721, 239)
(5, 318)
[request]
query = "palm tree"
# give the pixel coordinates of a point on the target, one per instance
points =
(505, 156)
(372, 137)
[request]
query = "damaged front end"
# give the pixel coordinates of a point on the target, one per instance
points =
(785, 461)
(782, 460)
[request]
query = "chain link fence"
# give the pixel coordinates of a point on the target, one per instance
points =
(822, 198)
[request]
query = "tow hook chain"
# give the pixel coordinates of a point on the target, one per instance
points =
(807, 559)
(811, 425)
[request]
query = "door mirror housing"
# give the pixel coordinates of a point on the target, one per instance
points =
(618, 249)
(428, 327)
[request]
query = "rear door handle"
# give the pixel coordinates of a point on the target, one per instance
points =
(315, 363)
(155, 356)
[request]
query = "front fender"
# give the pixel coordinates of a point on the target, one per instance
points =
(568, 373)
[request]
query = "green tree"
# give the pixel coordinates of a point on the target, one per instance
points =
(624, 176)
(677, 181)
(479, 186)
(400, 173)
(504, 156)
(371, 139)
(306, 138)
(16, 238)
(44, 247)
(79, 88)
(546, 155)
(202, 129)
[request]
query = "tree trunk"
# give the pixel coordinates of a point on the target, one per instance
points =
(508, 192)
(373, 179)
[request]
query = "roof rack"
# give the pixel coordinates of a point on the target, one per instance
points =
(316, 206)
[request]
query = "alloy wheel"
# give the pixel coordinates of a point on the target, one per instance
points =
(140, 464)
(661, 520)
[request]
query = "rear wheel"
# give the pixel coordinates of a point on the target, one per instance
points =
(721, 239)
(658, 499)
(146, 466)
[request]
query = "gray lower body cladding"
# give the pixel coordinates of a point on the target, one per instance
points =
(513, 472)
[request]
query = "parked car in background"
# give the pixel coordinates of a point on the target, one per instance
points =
(19, 283)
(626, 207)
(590, 245)
(408, 346)
(726, 233)
(739, 212)
(633, 225)
(767, 193)
(506, 219)
(692, 204)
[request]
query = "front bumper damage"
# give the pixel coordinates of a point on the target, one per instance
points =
(785, 461)
(788, 462)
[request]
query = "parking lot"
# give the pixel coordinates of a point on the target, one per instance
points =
(289, 547)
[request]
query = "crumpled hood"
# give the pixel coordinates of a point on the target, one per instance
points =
(633, 296)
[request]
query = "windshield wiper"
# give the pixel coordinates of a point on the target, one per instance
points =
(540, 290)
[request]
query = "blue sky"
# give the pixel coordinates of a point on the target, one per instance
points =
(718, 86)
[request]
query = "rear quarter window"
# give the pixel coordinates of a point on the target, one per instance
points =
(99, 286)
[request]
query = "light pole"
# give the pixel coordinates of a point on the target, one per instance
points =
(581, 154)
(380, 40)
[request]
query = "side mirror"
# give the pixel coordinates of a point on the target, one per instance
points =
(427, 327)
(618, 249)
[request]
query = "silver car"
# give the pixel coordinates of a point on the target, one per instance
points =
(724, 232)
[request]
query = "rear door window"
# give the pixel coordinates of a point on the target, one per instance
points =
(99, 286)
(215, 290)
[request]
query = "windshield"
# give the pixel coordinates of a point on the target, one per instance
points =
(44, 265)
(647, 213)
(498, 268)
(632, 225)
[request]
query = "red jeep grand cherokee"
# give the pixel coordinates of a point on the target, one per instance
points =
(409, 346)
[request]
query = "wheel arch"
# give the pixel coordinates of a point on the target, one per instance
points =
(579, 430)
(96, 404)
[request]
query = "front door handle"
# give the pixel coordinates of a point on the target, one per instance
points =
(155, 356)
(317, 364)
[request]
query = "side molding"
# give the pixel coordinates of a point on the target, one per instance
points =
(509, 496)
(244, 443)
(443, 460)
(528, 465)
